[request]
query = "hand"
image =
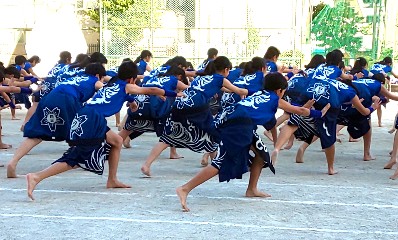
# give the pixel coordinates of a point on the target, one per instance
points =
(133, 106)
(359, 75)
(309, 103)
(163, 98)
(376, 104)
(325, 109)
(180, 94)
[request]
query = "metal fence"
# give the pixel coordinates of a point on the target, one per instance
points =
(189, 27)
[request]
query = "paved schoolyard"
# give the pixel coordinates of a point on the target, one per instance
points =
(360, 202)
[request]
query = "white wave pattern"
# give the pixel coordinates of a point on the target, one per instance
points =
(105, 94)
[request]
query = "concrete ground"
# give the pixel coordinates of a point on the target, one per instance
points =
(358, 203)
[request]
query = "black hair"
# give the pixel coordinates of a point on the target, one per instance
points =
(334, 58)
(81, 61)
(359, 64)
(386, 61)
(126, 59)
(242, 65)
(189, 65)
(176, 61)
(211, 53)
(219, 64)
(34, 58)
(65, 57)
(19, 60)
(2, 66)
(11, 70)
(379, 77)
(127, 70)
(94, 69)
(315, 61)
(175, 71)
(256, 64)
(274, 81)
(144, 54)
(341, 65)
(2, 77)
(98, 57)
(271, 52)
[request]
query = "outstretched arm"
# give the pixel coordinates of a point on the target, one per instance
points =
(240, 91)
(388, 94)
(361, 109)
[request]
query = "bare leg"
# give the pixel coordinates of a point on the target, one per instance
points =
(183, 191)
(255, 172)
(379, 114)
(125, 136)
(116, 142)
(289, 144)
(34, 178)
(351, 139)
(3, 145)
(367, 140)
(23, 149)
(174, 154)
(339, 127)
(121, 125)
(205, 159)
(285, 133)
(153, 155)
(393, 157)
(117, 116)
(301, 150)
(329, 152)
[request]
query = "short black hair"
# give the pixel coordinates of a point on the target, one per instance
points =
(127, 70)
(274, 81)
(94, 69)
(98, 57)
(19, 60)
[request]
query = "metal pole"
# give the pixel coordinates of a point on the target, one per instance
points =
(374, 41)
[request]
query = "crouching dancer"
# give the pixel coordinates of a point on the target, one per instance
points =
(236, 133)
(92, 141)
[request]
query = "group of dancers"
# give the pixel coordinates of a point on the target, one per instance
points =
(215, 110)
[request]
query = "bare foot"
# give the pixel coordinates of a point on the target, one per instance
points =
(11, 171)
(368, 157)
(116, 184)
(300, 155)
(31, 182)
(146, 170)
(340, 134)
(182, 195)
(390, 164)
(391, 131)
(353, 140)
(22, 127)
(268, 135)
(394, 176)
(274, 157)
(332, 172)
(288, 146)
(126, 142)
(15, 118)
(5, 146)
(175, 156)
(256, 193)
(338, 140)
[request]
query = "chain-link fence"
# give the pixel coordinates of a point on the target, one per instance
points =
(238, 29)
(243, 29)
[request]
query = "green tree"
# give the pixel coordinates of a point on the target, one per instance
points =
(317, 9)
(338, 27)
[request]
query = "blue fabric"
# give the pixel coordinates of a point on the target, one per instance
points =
(324, 72)
(200, 91)
(82, 86)
(27, 66)
(110, 99)
(271, 66)
(66, 72)
(234, 74)
(380, 68)
(141, 67)
(296, 89)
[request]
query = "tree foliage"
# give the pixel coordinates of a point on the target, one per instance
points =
(338, 27)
